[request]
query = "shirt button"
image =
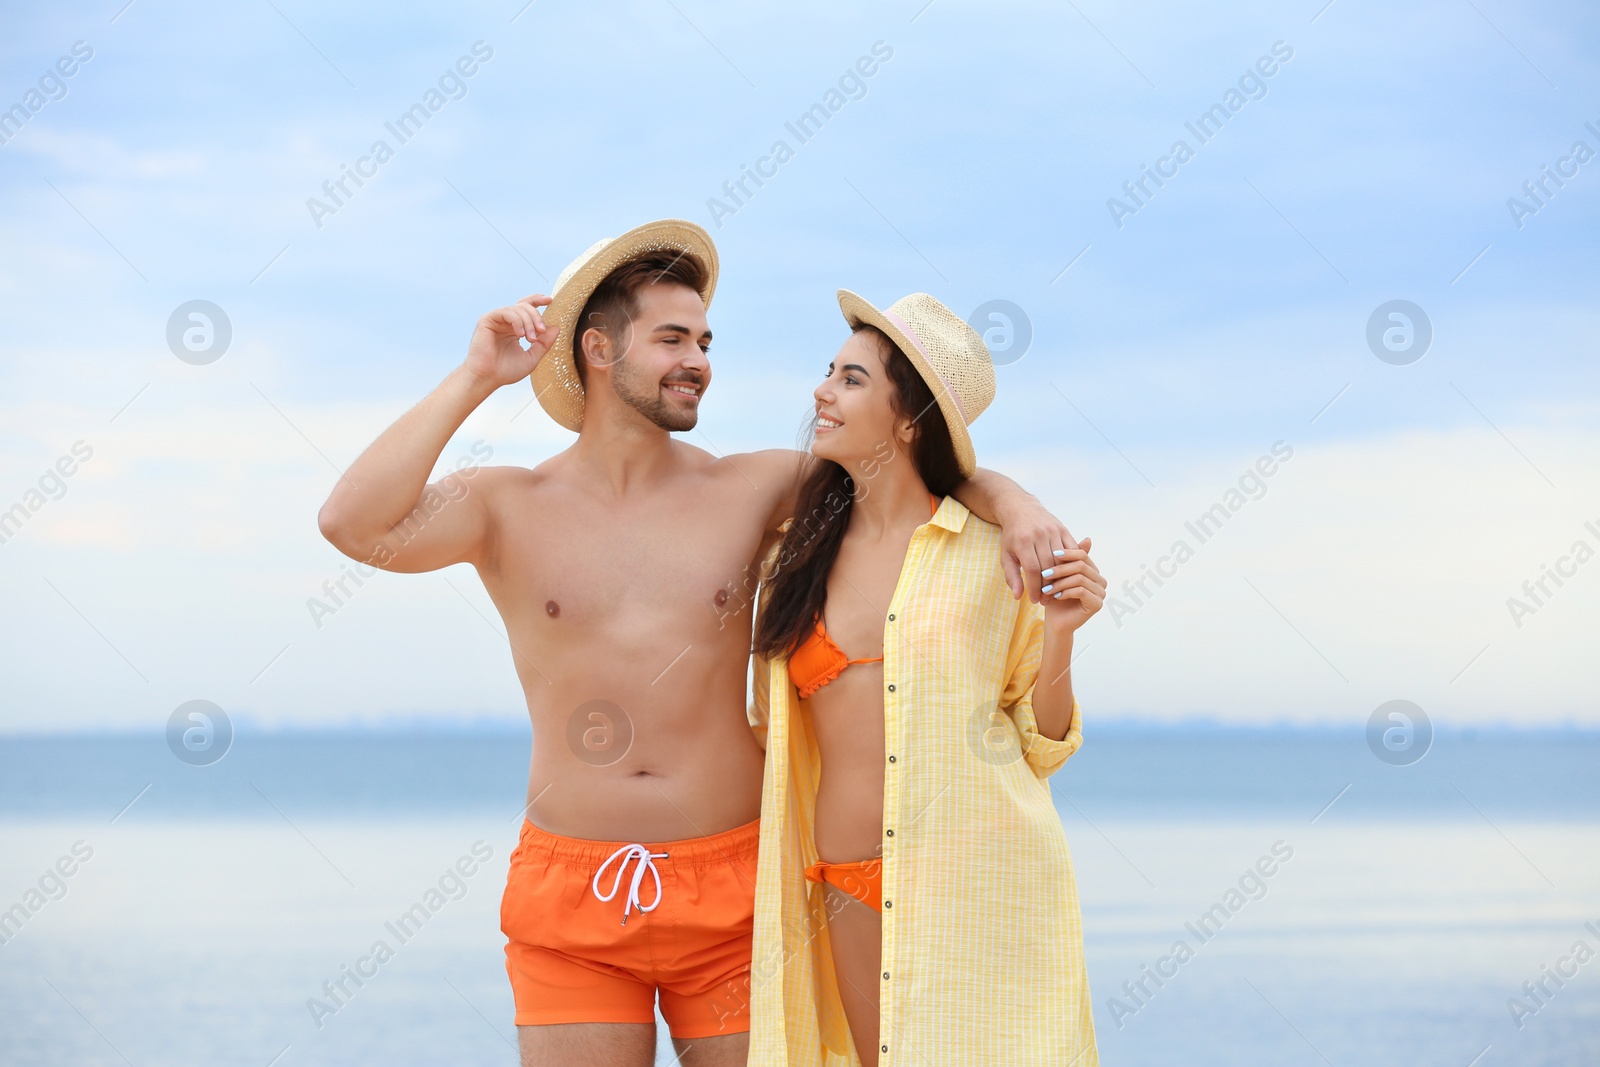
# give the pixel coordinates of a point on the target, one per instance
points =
(888, 903)
(891, 759)
(885, 976)
(891, 833)
(891, 616)
(891, 687)
(883, 1048)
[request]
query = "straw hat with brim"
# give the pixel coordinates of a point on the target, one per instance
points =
(948, 353)
(555, 376)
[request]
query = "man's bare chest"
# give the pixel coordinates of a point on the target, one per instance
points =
(688, 567)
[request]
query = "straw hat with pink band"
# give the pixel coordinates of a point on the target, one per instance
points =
(948, 353)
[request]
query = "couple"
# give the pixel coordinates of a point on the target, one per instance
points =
(863, 865)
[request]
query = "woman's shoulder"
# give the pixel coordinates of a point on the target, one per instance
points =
(977, 535)
(970, 578)
(977, 548)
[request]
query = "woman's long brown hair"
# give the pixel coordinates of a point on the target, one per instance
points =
(799, 587)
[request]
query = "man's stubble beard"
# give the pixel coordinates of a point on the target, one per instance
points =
(647, 399)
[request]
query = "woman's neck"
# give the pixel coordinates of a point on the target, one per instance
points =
(891, 498)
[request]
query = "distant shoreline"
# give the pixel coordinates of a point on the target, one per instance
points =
(1142, 728)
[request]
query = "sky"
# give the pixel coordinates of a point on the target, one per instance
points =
(1428, 470)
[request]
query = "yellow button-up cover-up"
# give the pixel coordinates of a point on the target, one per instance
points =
(982, 939)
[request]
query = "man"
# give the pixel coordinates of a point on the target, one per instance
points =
(625, 569)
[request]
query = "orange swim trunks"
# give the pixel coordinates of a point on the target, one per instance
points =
(595, 928)
(862, 879)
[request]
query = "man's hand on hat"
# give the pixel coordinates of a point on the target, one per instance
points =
(496, 354)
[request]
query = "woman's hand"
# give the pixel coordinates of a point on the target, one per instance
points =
(496, 355)
(1072, 589)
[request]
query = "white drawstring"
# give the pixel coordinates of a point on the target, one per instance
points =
(645, 862)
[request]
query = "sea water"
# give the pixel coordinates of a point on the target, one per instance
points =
(1418, 915)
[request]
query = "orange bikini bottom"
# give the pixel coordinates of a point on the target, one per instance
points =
(862, 879)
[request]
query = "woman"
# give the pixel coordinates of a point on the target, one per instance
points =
(915, 901)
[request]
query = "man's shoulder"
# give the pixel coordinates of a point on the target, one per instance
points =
(510, 473)
(781, 461)
(769, 470)
(508, 480)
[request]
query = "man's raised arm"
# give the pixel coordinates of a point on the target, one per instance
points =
(383, 511)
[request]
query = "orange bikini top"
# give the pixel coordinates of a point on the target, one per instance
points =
(818, 660)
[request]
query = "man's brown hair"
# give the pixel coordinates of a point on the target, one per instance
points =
(615, 301)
